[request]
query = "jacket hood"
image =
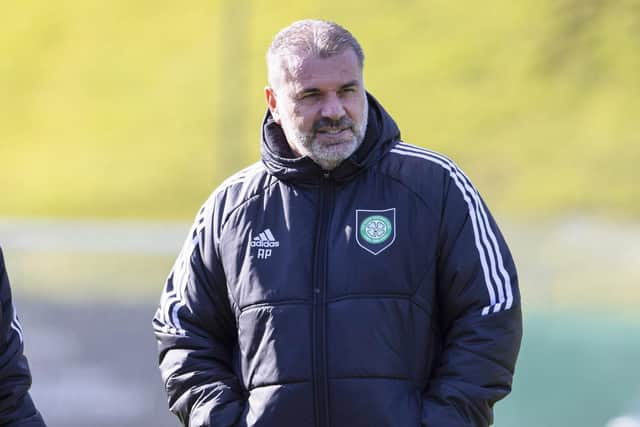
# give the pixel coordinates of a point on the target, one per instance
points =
(381, 135)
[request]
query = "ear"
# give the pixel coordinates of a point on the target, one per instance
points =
(272, 103)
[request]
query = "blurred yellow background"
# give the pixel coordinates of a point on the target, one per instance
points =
(138, 109)
(117, 117)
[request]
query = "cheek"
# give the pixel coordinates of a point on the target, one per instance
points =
(302, 119)
(356, 108)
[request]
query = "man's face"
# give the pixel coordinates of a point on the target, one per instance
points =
(321, 105)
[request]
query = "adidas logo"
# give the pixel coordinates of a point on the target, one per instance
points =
(265, 240)
(262, 241)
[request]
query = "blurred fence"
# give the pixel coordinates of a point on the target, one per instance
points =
(86, 292)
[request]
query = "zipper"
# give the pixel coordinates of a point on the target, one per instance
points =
(319, 301)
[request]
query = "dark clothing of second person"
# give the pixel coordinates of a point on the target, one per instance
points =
(16, 407)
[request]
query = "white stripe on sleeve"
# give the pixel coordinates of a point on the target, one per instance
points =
(485, 240)
(172, 300)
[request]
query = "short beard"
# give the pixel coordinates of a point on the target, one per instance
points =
(328, 158)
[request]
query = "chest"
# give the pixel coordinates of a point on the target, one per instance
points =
(343, 241)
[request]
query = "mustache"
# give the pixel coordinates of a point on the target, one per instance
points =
(327, 123)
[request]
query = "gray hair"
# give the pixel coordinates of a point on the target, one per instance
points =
(310, 37)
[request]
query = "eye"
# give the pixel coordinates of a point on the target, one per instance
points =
(309, 95)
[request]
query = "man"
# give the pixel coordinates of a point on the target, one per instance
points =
(16, 406)
(347, 280)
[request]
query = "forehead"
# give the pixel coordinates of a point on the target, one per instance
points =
(300, 73)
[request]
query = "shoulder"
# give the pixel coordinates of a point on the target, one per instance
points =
(419, 160)
(427, 173)
(249, 180)
(5, 292)
(239, 187)
(233, 192)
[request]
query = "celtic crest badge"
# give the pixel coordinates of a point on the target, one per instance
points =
(376, 229)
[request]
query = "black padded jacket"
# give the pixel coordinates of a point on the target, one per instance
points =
(379, 294)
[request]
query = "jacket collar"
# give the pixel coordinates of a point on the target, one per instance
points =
(381, 135)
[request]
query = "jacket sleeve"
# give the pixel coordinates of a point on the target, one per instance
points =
(195, 330)
(479, 311)
(16, 407)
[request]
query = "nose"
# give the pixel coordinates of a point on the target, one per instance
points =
(332, 107)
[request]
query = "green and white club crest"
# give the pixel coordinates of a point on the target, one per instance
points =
(376, 229)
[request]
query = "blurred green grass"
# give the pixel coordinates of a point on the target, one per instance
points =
(138, 110)
(575, 369)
